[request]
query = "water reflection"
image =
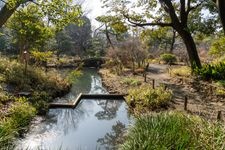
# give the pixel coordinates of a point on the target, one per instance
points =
(83, 127)
(109, 107)
(112, 139)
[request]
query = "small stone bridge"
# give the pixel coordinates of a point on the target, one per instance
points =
(86, 96)
(87, 62)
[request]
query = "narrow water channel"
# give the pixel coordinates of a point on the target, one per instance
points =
(93, 124)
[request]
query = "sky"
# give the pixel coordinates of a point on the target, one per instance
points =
(93, 7)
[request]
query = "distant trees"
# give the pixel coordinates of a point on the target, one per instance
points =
(164, 13)
(74, 39)
(80, 35)
(159, 39)
(112, 27)
(128, 52)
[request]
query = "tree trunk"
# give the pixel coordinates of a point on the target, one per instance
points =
(6, 13)
(191, 49)
(107, 36)
(221, 7)
(173, 41)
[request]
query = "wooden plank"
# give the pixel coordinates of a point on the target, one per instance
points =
(60, 105)
(76, 102)
(86, 96)
(102, 96)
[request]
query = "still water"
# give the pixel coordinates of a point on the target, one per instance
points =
(93, 124)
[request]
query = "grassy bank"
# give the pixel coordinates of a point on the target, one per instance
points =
(168, 129)
(145, 98)
(38, 86)
(174, 131)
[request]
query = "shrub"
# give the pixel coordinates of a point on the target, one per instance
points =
(148, 98)
(218, 47)
(183, 71)
(174, 131)
(221, 83)
(4, 98)
(168, 58)
(73, 75)
(131, 81)
(41, 57)
(211, 71)
(40, 101)
(34, 79)
(20, 114)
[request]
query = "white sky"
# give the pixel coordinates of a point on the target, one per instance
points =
(93, 7)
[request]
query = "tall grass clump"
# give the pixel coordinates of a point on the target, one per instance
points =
(211, 71)
(18, 118)
(183, 71)
(145, 97)
(42, 86)
(173, 131)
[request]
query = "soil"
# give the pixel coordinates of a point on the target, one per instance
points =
(200, 95)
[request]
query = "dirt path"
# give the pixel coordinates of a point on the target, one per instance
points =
(199, 102)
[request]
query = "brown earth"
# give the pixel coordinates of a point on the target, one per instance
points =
(201, 96)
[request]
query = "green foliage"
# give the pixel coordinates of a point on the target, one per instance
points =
(20, 114)
(168, 58)
(40, 101)
(41, 57)
(218, 47)
(160, 37)
(174, 131)
(114, 23)
(183, 71)
(4, 97)
(131, 81)
(74, 39)
(73, 75)
(28, 27)
(220, 92)
(221, 83)
(36, 81)
(147, 98)
(211, 71)
(60, 17)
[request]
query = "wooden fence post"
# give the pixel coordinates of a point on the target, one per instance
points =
(185, 102)
(219, 116)
(153, 83)
(145, 77)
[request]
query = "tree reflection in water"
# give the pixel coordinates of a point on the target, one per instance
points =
(67, 119)
(110, 107)
(112, 139)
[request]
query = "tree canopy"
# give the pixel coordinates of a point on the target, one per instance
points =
(183, 16)
(57, 12)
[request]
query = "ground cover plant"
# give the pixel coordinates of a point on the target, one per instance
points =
(147, 98)
(174, 130)
(16, 112)
(211, 71)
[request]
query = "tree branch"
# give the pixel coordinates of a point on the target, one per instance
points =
(194, 7)
(7, 12)
(168, 6)
(188, 4)
(135, 24)
(183, 13)
(182, 9)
